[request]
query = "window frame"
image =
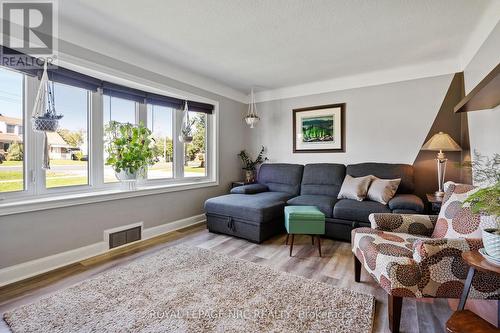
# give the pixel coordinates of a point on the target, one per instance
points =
(157, 181)
(42, 186)
(36, 196)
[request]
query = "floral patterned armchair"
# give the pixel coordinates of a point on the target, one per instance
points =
(420, 255)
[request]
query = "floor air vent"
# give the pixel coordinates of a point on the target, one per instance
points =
(124, 236)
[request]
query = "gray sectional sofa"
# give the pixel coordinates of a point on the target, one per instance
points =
(255, 212)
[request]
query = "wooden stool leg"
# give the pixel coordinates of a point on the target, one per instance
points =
(291, 246)
(319, 245)
(312, 239)
(286, 240)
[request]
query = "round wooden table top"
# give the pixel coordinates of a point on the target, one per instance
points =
(476, 260)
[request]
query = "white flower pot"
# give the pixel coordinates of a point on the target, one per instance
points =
(126, 176)
(491, 242)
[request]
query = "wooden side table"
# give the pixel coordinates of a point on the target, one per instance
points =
(433, 203)
(465, 320)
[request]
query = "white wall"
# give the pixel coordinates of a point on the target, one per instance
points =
(484, 125)
(385, 123)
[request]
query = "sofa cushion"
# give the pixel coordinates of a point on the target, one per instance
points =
(385, 171)
(250, 189)
(323, 202)
(355, 188)
(322, 179)
(382, 190)
(260, 207)
(457, 220)
(406, 202)
(281, 177)
(353, 210)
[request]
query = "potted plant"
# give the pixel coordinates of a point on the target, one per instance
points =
(486, 200)
(130, 149)
(250, 165)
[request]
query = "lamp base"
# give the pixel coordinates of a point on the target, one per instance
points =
(439, 194)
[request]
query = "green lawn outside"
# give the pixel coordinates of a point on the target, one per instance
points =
(14, 175)
(11, 163)
(194, 169)
(10, 175)
(71, 181)
(12, 180)
(52, 182)
(52, 162)
(11, 186)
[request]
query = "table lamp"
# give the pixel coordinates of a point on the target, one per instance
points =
(441, 142)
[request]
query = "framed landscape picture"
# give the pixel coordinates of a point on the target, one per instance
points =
(319, 129)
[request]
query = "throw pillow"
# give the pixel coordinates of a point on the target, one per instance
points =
(354, 188)
(382, 190)
(456, 220)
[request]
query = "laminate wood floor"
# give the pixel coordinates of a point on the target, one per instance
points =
(335, 267)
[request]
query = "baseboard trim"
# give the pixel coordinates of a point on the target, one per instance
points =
(35, 267)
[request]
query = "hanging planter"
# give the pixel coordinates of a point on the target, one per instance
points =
(252, 118)
(186, 135)
(44, 117)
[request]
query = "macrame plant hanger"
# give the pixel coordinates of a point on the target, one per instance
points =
(186, 135)
(44, 117)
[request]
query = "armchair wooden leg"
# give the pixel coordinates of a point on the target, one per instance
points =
(286, 240)
(394, 304)
(357, 269)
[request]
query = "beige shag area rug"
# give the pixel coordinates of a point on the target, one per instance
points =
(185, 289)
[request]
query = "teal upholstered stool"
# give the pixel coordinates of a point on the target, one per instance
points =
(307, 220)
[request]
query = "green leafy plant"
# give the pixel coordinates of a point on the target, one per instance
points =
(130, 147)
(487, 199)
(251, 165)
(15, 152)
(79, 156)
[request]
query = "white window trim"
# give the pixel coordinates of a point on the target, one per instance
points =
(36, 197)
(73, 199)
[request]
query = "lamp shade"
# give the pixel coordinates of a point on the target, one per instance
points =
(441, 142)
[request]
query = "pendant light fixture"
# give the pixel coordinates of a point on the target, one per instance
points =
(252, 118)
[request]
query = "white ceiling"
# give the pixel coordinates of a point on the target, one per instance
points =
(274, 44)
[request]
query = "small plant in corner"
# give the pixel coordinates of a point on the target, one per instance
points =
(486, 200)
(130, 149)
(250, 165)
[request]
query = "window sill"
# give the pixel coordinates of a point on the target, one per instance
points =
(73, 199)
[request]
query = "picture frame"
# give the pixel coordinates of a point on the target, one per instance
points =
(319, 129)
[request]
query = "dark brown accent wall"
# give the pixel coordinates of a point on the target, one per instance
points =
(457, 127)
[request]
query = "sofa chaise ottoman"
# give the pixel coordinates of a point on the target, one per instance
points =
(255, 212)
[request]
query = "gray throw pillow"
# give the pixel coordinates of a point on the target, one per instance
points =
(354, 188)
(382, 190)
(250, 189)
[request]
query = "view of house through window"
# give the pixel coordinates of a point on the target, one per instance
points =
(68, 147)
(195, 151)
(11, 131)
(120, 110)
(160, 119)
